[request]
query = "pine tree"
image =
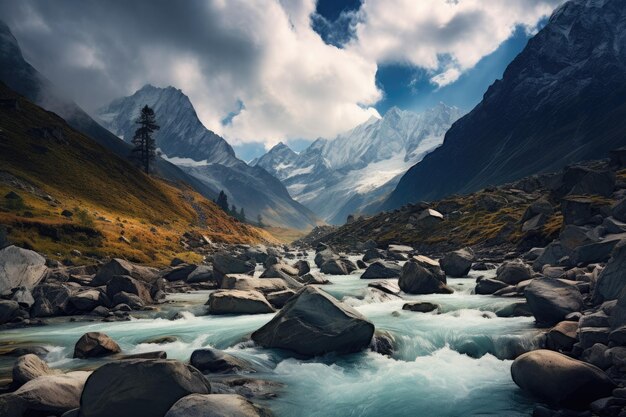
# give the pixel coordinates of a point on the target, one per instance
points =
(242, 215)
(259, 220)
(145, 147)
(222, 201)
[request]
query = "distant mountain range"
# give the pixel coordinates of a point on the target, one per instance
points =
(352, 172)
(561, 100)
(184, 140)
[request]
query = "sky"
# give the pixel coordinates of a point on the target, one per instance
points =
(263, 71)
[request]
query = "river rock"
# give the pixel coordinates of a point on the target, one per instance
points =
(131, 300)
(313, 323)
(29, 367)
(420, 306)
(334, 267)
(373, 254)
(140, 387)
(312, 279)
(248, 283)
(224, 264)
(550, 255)
(180, 272)
(280, 270)
(382, 269)
(559, 380)
(95, 344)
(550, 300)
(303, 267)
(9, 310)
(324, 256)
(87, 300)
(118, 266)
(487, 286)
(279, 298)
(20, 268)
(238, 302)
(562, 337)
(457, 263)
(125, 283)
(513, 272)
(389, 287)
(215, 405)
(50, 300)
(612, 279)
(215, 361)
(416, 279)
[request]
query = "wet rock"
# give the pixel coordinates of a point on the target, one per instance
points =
(312, 279)
(388, 287)
(224, 264)
(597, 356)
(420, 306)
(215, 405)
(95, 344)
(29, 367)
(140, 387)
(324, 256)
(122, 267)
(180, 272)
(314, 323)
(513, 272)
(303, 267)
(457, 263)
(382, 270)
(247, 283)
(279, 298)
(417, 279)
(215, 361)
(238, 302)
(160, 340)
(25, 350)
(280, 270)
(550, 300)
(373, 254)
(488, 286)
(128, 284)
(9, 310)
(562, 337)
(50, 300)
(202, 273)
(87, 300)
(559, 380)
(338, 267)
(383, 343)
(131, 300)
(20, 268)
(612, 279)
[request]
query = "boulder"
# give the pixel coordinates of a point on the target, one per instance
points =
(312, 279)
(279, 298)
(9, 310)
(248, 283)
(559, 380)
(215, 405)
(550, 255)
(597, 356)
(280, 270)
(95, 344)
(513, 272)
(128, 284)
(20, 268)
(131, 300)
(215, 361)
(550, 300)
(257, 254)
(303, 267)
(224, 264)
(488, 286)
(429, 218)
(29, 367)
(420, 306)
(122, 267)
(389, 287)
(87, 300)
(612, 279)
(313, 323)
(589, 336)
(576, 210)
(458, 263)
(50, 300)
(24, 297)
(400, 248)
(139, 387)
(373, 254)
(612, 225)
(416, 279)
(202, 273)
(594, 252)
(539, 207)
(324, 256)
(334, 267)
(382, 269)
(238, 302)
(562, 336)
(180, 272)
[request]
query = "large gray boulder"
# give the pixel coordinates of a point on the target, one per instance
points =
(382, 269)
(180, 272)
(612, 279)
(95, 344)
(247, 283)
(20, 268)
(29, 367)
(559, 380)
(215, 361)
(338, 266)
(128, 284)
(550, 300)
(50, 300)
(118, 266)
(314, 323)
(140, 387)
(88, 299)
(215, 405)
(324, 256)
(280, 270)
(419, 278)
(238, 302)
(513, 272)
(457, 263)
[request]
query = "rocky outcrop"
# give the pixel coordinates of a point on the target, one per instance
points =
(95, 344)
(513, 272)
(314, 323)
(122, 267)
(238, 302)
(20, 268)
(550, 300)
(612, 279)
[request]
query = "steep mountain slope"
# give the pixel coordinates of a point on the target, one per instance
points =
(23, 78)
(206, 156)
(357, 168)
(561, 100)
(60, 190)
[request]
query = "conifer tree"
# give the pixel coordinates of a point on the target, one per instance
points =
(242, 215)
(144, 146)
(222, 201)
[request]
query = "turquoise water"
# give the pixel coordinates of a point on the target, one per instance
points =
(449, 364)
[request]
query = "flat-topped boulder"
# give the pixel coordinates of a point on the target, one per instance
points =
(457, 263)
(20, 268)
(247, 283)
(118, 266)
(238, 302)
(313, 323)
(216, 361)
(415, 278)
(382, 269)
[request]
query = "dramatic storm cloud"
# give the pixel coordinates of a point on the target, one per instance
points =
(259, 65)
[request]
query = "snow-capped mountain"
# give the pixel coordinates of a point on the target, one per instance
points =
(344, 175)
(561, 100)
(184, 140)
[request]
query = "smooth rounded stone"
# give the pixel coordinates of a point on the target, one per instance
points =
(29, 367)
(518, 309)
(179, 272)
(24, 297)
(140, 387)
(562, 337)
(46, 395)
(488, 286)
(202, 273)
(482, 266)
(238, 302)
(550, 300)
(508, 291)
(161, 340)
(389, 287)
(247, 283)
(589, 336)
(95, 344)
(215, 405)
(131, 300)
(128, 284)
(280, 270)
(559, 380)
(420, 306)
(360, 264)
(303, 267)
(20, 268)
(617, 355)
(215, 361)
(373, 254)
(100, 311)
(279, 298)
(416, 279)
(513, 272)
(312, 279)
(597, 356)
(597, 319)
(383, 343)
(50, 300)
(382, 270)
(457, 263)
(612, 279)
(313, 323)
(324, 256)
(118, 266)
(87, 300)
(9, 310)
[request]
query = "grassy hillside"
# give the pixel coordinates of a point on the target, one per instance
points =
(46, 167)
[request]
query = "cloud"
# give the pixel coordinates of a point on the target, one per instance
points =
(258, 64)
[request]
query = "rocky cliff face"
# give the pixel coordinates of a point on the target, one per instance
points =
(560, 101)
